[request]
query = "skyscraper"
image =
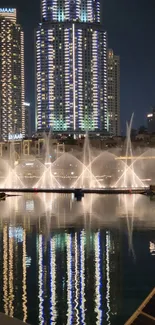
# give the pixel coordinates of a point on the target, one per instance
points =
(113, 93)
(71, 67)
(151, 120)
(28, 131)
(12, 92)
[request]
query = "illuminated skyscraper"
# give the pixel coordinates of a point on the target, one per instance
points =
(27, 120)
(12, 93)
(71, 67)
(114, 93)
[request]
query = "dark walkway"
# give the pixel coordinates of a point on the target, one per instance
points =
(145, 314)
(5, 320)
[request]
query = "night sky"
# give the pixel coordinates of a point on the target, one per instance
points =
(131, 33)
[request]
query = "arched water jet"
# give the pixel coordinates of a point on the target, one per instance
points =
(126, 179)
(87, 179)
(129, 153)
(9, 176)
(12, 180)
(106, 168)
(144, 166)
(48, 152)
(129, 177)
(67, 169)
(47, 180)
(131, 165)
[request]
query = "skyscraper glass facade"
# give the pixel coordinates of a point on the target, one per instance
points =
(71, 67)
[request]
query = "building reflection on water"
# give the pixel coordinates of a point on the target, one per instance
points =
(60, 262)
(75, 278)
(14, 264)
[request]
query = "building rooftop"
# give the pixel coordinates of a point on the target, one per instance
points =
(9, 13)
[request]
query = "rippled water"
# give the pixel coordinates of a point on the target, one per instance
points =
(68, 262)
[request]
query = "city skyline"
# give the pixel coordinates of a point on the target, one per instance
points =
(77, 229)
(120, 20)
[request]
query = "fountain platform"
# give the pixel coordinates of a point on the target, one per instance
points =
(81, 191)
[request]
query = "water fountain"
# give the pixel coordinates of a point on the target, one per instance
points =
(129, 177)
(102, 169)
(87, 179)
(47, 179)
(9, 176)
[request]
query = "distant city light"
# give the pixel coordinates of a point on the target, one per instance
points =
(28, 261)
(16, 136)
(7, 10)
(16, 233)
(29, 164)
(26, 104)
(152, 248)
(29, 205)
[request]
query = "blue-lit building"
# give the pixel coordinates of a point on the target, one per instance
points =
(71, 67)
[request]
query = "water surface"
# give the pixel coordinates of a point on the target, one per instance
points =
(68, 262)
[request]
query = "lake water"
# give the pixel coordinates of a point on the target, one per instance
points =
(68, 262)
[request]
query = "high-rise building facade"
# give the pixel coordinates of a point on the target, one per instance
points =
(71, 67)
(113, 93)
(12, 88)
(28, 131)
(151, 120)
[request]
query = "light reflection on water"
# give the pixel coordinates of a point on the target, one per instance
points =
(65, 262)
(41, 281)
(53, 311)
